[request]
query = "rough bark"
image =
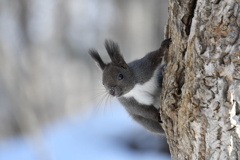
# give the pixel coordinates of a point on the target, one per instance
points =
(201, 88)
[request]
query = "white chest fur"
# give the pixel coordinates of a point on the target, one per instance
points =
(146, 93)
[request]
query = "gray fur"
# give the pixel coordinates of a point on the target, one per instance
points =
(124, 81)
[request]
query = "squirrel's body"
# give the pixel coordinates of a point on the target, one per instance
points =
(137, 85)
(147, 89)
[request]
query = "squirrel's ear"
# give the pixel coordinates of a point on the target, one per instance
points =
(95, 56)
(114, 53)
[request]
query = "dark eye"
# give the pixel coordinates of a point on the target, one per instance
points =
(120, 76)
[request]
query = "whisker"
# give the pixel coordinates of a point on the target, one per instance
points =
(100, 102)
(96, 96)
(103, 89)
(92, 90)
(107, 96)
(109, 101)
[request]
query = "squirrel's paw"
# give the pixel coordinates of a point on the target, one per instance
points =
(166, 42)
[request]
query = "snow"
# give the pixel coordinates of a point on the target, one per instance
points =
(102, 136)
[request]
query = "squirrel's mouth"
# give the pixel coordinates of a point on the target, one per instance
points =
(119, 94)
(115, 92)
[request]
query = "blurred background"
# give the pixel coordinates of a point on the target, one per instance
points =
(52, 103)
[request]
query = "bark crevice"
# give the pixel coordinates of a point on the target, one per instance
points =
(187, 18)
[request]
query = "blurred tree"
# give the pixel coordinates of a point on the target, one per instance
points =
(201, 95)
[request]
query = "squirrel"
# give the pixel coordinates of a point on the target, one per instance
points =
(137, 85)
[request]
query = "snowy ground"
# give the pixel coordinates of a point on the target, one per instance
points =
(107, 135)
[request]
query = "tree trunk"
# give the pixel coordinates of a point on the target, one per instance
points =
(201, 88)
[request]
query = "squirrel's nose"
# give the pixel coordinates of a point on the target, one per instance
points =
(112, 91)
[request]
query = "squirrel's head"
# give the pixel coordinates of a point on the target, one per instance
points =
(117, 77)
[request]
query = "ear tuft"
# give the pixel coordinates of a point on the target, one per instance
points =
(111, 47)
(114, 53)
(95, 56)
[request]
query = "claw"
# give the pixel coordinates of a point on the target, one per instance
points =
(160, 120)
(166, 42)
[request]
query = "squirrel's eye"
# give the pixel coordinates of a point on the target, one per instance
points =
(120, 76)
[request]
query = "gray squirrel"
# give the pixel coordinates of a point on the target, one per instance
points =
(137, 85)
